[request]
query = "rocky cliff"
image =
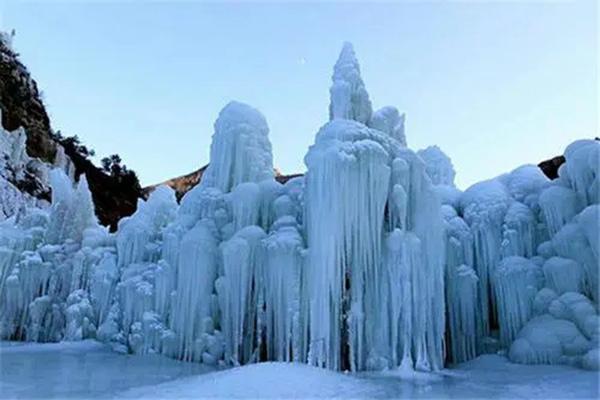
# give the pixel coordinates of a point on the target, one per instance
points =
(184, 183)
(22, 106)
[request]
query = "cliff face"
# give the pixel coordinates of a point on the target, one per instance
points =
(181, 185)
(22, 106)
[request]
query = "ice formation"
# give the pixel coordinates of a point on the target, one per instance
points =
(372, 260)
(240, 150)
(439, 166)
(349, 97)
(48, 262)
(347, 259)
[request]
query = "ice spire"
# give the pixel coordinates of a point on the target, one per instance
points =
(349, 97)
(240, 149)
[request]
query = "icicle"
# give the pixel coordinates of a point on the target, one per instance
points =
(483, 207)
(462, 308)
(238, 293)
(196, 274)
(461, 288)
(346, 190)
(518, 231)
(282, 273)
(559, 205)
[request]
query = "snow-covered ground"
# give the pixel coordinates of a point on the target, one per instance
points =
(89, 369)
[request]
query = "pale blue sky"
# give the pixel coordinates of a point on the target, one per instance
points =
(495, 85)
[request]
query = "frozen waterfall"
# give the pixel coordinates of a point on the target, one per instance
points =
(372, 260)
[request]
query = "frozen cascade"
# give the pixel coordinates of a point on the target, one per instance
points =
(282, 281)
(559, 205)
(483, 207)
(353, 266)
(519, 231)
(462, 295)
(139, 233)
(196, 273)
(461, 288)
(351, 161)
(245, 205)
(515, 283)
(238, 290)
(344, 239)
(49, 261)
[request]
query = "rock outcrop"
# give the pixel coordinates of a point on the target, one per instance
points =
(184, 183)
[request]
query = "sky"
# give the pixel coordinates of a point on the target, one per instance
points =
(494, 84)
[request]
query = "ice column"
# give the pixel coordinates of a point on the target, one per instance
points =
(240, 150)
(346, 191)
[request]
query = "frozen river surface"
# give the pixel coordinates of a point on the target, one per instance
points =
(91, 370)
